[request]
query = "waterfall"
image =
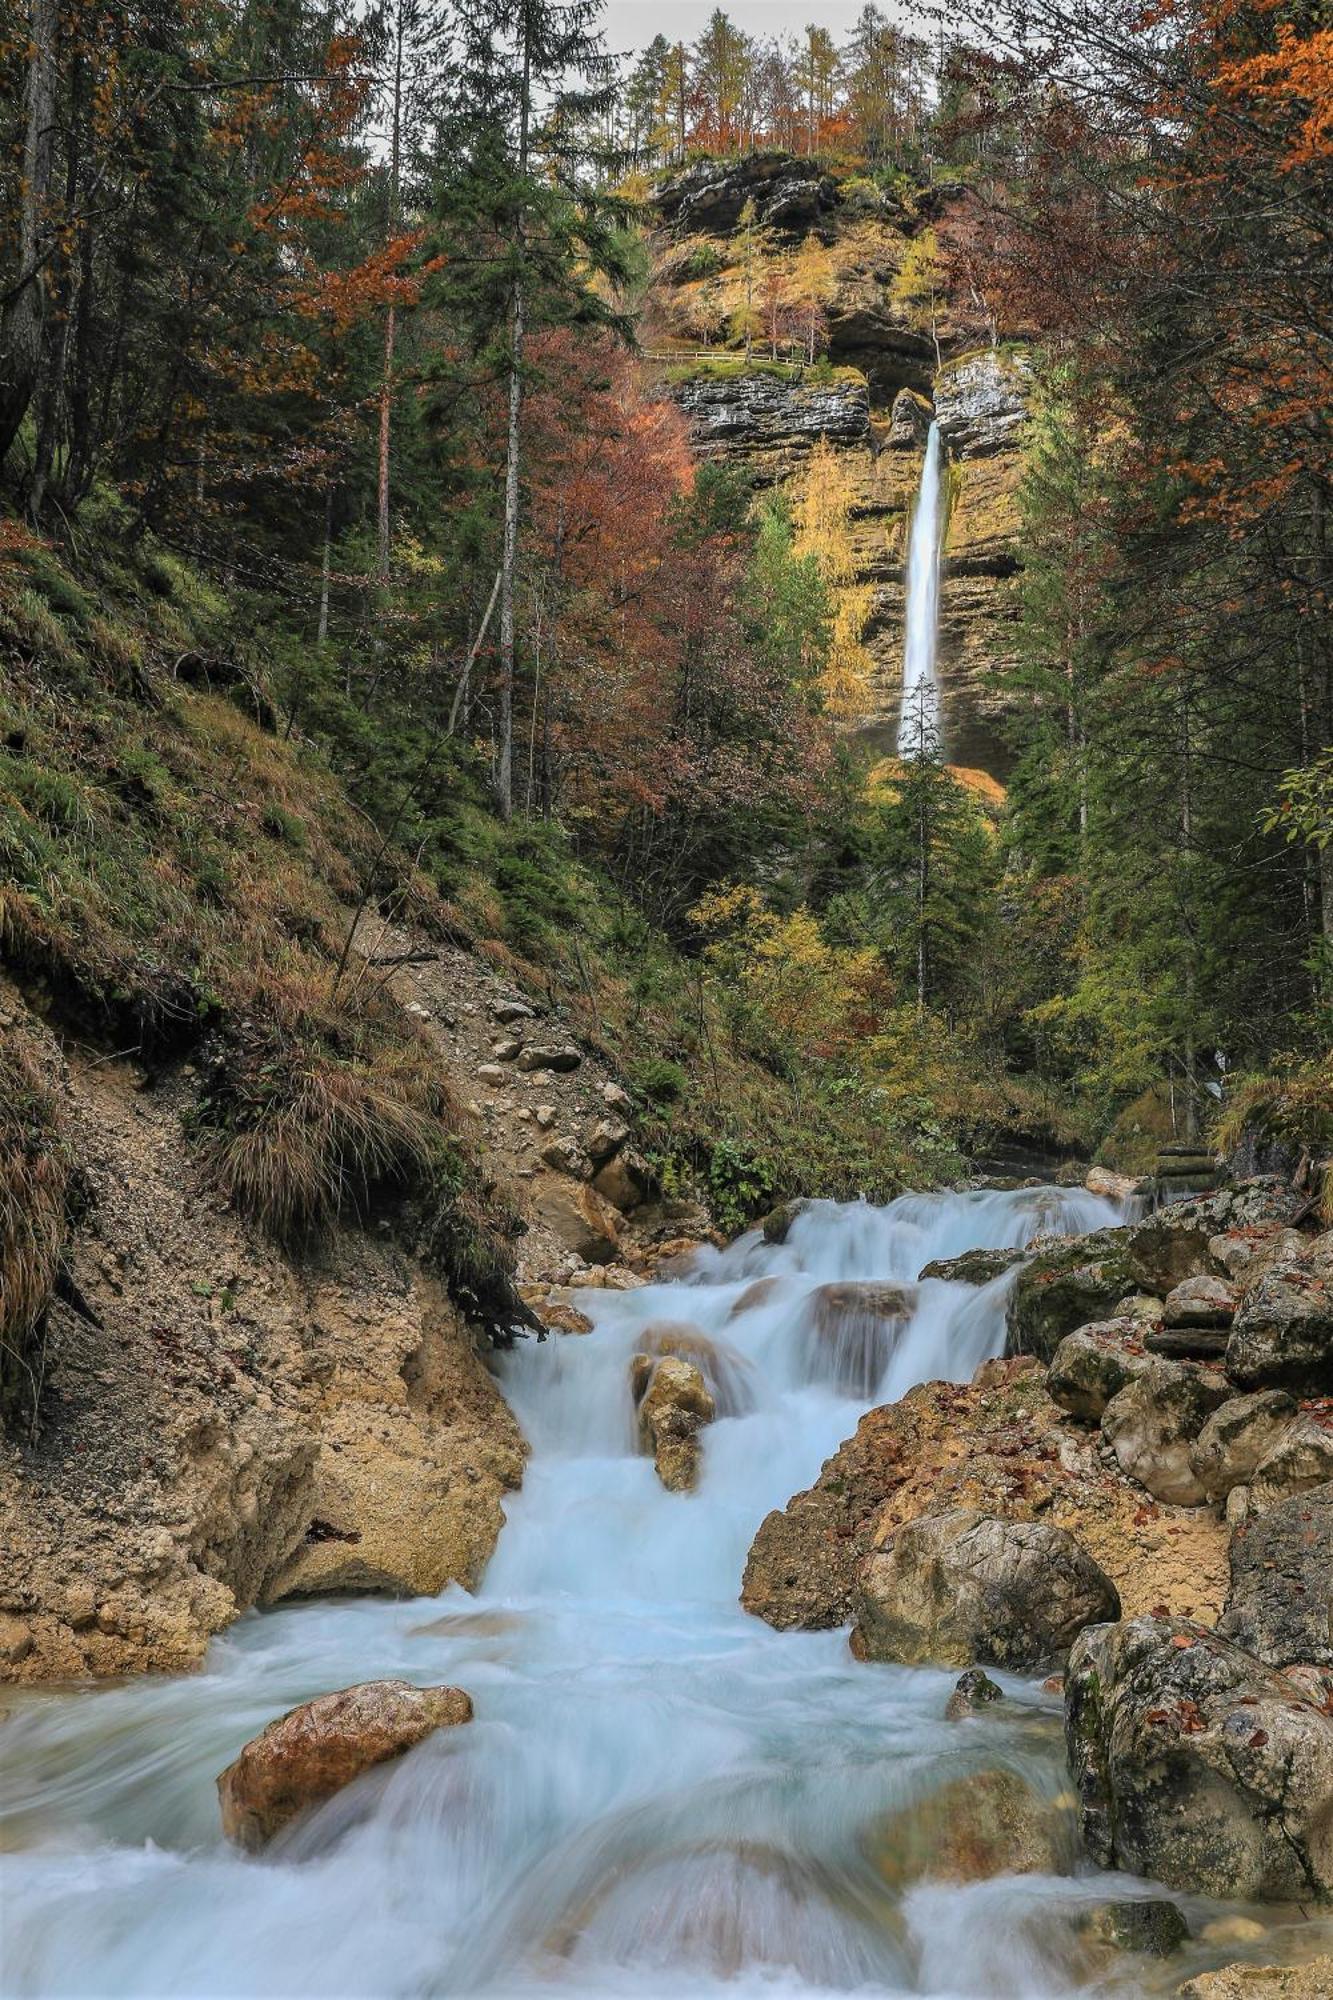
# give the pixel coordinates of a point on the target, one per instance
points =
(919, 719)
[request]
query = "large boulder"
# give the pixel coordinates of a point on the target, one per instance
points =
(1066, 1286)
(974, 1267)
(1237, 1438)
(853, 1327)
(1300, 1458)
(674, 1405)
(959, 1587)
(1206, 1301)
(1280, 1605)
(1282, 1335)
(1153, 1421)
(969, 1829)
(313, 1751)
(579, 1217)
(1091, 1366)
(1175, 1243)
(728, 1376)
(1197, 1765)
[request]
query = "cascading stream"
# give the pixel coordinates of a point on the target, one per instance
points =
(919, 718)
(659, 1795)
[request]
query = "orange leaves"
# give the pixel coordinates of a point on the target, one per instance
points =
(384, 278)
(1292, 85)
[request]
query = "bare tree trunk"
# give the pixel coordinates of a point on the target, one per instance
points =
(326, 567)
(391, 322)
(504, 773)
(23, 315)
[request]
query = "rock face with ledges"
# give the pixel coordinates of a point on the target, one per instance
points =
(771, 416)
(957, 1587)
(1280, 1605)
(313, 1751)
(1197, 1765)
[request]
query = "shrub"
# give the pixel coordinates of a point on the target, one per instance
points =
(34, 1194)
(657, 1081)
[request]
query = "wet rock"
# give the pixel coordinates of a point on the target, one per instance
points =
(1152, 1423)
(1066, 1286)
(1152, 1926)
(1280, 1605)
(1312, 1980)
(579, 1217)
(1237, 1437)
(1301, 1458)
(854, 1326)
(560, 1057)
(1282, 1335)
(974, 1267)
(973, 1692)
(1110, 1185)
(754, 1296)
(989, 1823)
(962, 1586)
(776, 1225)
(674, 1405)
(1197, 1765)
(313, 1751)
(1091, 1366)
(727, 1374)
(1200, 1302)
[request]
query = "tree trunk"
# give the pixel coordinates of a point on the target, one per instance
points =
(22, 319)
(386, 422)
(325, 568)
(504, 777)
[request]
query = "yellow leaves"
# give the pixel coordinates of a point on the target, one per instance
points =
(822, 515)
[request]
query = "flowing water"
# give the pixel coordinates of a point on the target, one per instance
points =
(659, 1795)
(919, 718)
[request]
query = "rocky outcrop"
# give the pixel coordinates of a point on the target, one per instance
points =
(1177, 1242)
(1198, 1766)
(673, 1406)
(313, 1751)
(788, 194)
(999, 1446)
(953, 1588)
(1310, 1980)
(1280, 1605)
(772, 421)
(981, 402)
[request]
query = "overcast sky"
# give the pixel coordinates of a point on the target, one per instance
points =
(629, 24)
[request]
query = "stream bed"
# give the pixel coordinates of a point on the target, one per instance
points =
(659, 1795)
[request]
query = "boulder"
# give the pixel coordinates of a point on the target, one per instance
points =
(556, 1056)
(617, 1099)
(508, 1011)
(1150, 1925)
(1153, 1421)
(1280, 1605)
(1312, 1980)
(754, 1296)
(625, 1181)
(1175, 1243)
(973, 1692)
(1197, 1765)
(727, 1374)
(1091, 1366)
(1282, 1335)
(1237, 1436)
(1111, 1185)
(606, 1137)
(674, 1405)
(577, 1215)
(959, 1587)
(853, 1329)
(970, 1829)
(974, 1267)
(1205, 1301)
(776, 1225)
(313, 1751)
(566, 1156)
(1245, 1254)
(1063, 1287)
(1300, 1458)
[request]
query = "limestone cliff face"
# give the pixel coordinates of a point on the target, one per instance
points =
(874, 406)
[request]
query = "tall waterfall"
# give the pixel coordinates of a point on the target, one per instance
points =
(919, 721)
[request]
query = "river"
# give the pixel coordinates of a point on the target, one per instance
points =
(659, 1795)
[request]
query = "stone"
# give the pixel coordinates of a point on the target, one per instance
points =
(1237, 1437)
(1202, 1301)
(1310, 1980)
(1300, 1458)
(1282, 1335)
(1237, 1506)
(973, 1267)
(1245, 1254)
(625, 1181)
(755, 1295)
(606, 1137)
(973, 1692)
(1110, 1185)
(1150, 1925)
(578, 1216)
(567, 1157)
(853, 1327)
(1198, 1766)
(1174, 1243)
(776, 1225)
(962, 1586)
(506, 1011)
(1091, 1366)
(909, 421)
(1065, 1286)
(16, 1640)
(545, 1116)
(727, 1375)
(674, 1405)
(492, 1074)
(559, 1058)
(1152, 1422)
(506, 1052)
(311, 1752)
(616, 1099)
(1231, 1930)
(1280, 1605)
(969, 1830)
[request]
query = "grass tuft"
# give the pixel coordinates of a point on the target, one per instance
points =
(34, 1195)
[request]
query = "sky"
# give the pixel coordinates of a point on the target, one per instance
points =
(629, 24)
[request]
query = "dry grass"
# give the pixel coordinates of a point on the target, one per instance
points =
(34, 1187)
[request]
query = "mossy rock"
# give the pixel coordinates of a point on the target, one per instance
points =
(1065, 1288)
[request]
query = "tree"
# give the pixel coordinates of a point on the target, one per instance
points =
(822, 513)
(810, 286)
(722, 70)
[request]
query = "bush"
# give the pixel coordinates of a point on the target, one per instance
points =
(34, 1197)
(657, 1082)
